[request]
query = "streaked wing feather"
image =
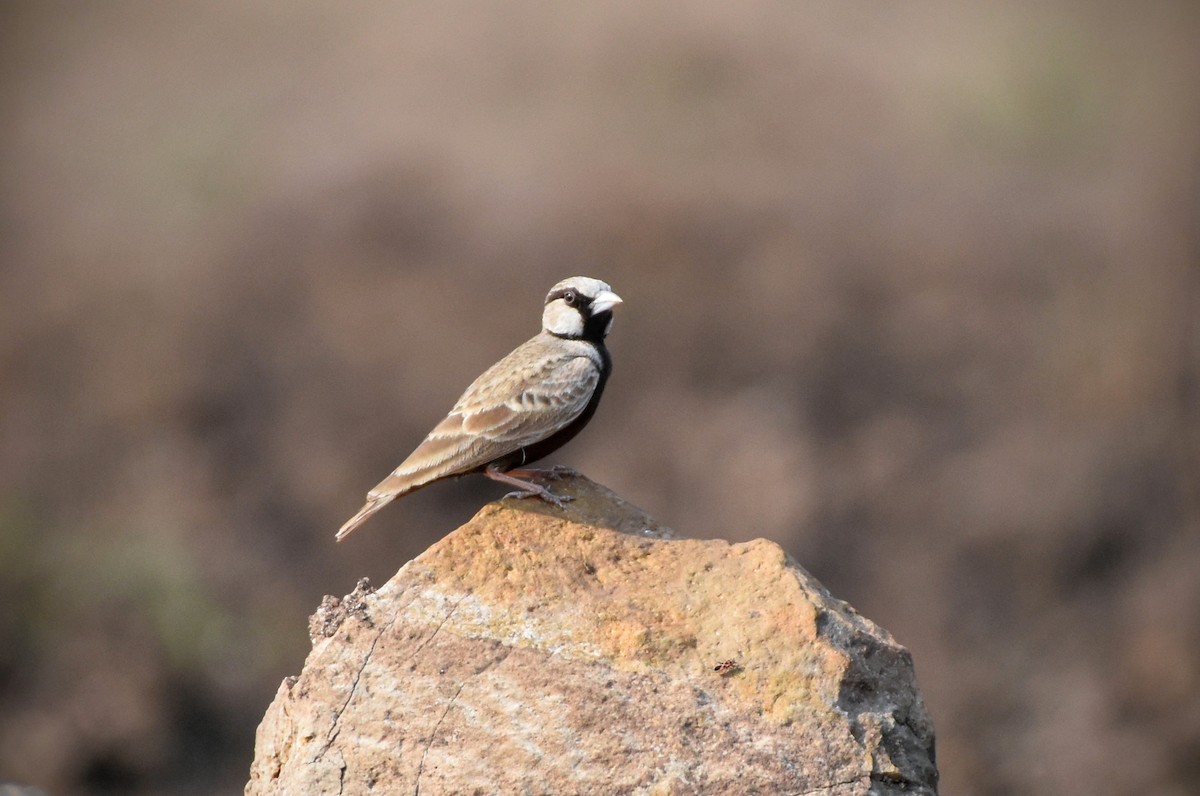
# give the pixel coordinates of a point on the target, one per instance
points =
(522, 399)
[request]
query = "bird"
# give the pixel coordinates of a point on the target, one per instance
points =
(524, 407)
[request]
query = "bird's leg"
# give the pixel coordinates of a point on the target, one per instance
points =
(527, 488)
(555, 473)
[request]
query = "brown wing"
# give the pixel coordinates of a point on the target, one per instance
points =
(529, 395)
(533, 392)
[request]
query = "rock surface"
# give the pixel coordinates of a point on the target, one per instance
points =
(587, 650)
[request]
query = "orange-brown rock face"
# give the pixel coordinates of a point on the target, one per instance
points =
(536, 650)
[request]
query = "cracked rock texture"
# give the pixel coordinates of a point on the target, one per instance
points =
(588, 650)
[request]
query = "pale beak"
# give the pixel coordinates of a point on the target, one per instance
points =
(605, 301)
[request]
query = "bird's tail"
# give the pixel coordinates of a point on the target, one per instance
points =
(374, 503)
(403, 480)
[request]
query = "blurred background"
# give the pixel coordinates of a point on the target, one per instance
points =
(912, 290)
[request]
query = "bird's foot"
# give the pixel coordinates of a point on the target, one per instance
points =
(527, 488)
(545, 494)
(561, 471)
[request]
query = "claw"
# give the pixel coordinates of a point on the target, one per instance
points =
(545, 494)
(527, 488)
(560, 501)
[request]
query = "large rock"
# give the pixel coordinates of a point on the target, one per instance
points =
(588, 650)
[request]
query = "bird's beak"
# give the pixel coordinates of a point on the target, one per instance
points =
(605, 301)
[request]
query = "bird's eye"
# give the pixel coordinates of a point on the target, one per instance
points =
(571, 298)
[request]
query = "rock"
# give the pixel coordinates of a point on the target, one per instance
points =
(587, 650)
(332, 611)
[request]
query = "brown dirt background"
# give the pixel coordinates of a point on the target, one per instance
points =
(912, 290)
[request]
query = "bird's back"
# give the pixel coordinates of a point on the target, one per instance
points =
(534, 392)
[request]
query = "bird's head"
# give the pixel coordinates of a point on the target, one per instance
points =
(580, 308)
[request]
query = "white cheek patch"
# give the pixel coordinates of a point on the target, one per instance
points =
(558, 318)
